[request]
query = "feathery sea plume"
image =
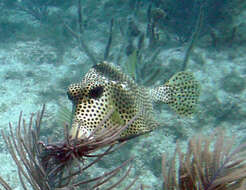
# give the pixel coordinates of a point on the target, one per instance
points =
(61, 165)
(207, 165)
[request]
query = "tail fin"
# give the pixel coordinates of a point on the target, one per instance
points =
(181, 93)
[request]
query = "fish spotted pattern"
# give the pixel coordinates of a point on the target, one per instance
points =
(105, 87)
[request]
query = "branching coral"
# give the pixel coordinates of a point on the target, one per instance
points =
(207, 165)
(51, 166)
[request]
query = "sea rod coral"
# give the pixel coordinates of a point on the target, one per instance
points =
(60, 165)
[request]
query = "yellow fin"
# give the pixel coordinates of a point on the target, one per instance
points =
(64, 116)
(181, 93)
(117, 119)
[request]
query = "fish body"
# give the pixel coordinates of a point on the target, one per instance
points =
(105, 87)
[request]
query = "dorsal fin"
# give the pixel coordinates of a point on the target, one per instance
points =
(112, 72)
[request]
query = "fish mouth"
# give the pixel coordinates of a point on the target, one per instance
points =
(69, 96)
(79, 131)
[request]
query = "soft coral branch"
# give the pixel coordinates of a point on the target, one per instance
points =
(207, 165)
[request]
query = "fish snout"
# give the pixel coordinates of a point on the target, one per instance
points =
(74, 92)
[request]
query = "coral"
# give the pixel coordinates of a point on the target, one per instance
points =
(207, 165)
(60, 165)
(158, 14)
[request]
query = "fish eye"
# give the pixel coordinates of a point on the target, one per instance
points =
(96, 92)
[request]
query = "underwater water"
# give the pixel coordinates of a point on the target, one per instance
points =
(46, 45)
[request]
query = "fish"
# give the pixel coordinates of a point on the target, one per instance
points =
(106, 87)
